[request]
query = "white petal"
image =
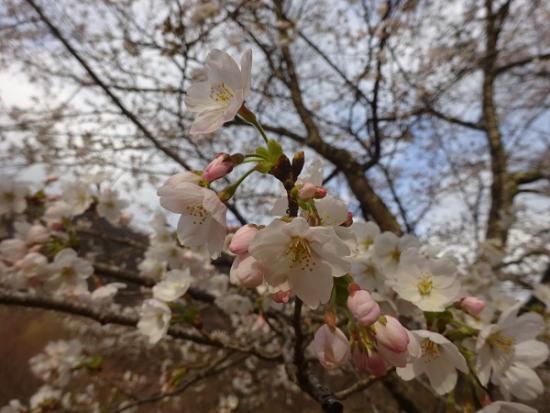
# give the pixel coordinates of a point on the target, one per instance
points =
(313, 287)
(531, 353)
(246, 68)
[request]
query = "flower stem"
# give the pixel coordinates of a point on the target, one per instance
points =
(229, 191)
(248, 116)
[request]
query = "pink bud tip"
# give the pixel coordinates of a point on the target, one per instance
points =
(220, 166)
(392, 335)
(348, 221)
(242, 238)
(472, 305)
(363, 307)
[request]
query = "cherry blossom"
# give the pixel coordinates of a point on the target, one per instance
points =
(430, 284)
(388, 248)
(154, 320)
(68, 272)
(507, 353)
(175, 284)
(219, 98)
(110, 205)
(202, 221)
(331, 346)
(440, 360)
(12, 197)
(302, 258)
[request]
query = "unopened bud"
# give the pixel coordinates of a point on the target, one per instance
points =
(242, 238)
(363, 307)
(220, 166)
(309, 191)
(472, 305)
(298, 164)
(348, 221)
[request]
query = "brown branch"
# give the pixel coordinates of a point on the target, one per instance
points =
(307, 381)
(521, 62)
(214, 369)
(108, 317)
(356, 387)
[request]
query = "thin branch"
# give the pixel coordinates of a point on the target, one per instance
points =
(116, 318)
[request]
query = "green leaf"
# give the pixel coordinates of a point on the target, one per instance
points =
(340, 291)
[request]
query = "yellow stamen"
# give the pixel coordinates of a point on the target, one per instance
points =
(300, 252)
(429, 349)
(221, 93)
(425, 285)
(497, 340)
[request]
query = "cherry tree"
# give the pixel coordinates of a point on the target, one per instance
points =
(351, 208)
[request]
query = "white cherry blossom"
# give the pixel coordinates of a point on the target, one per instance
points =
(440, 361)
(12, 196)
(78, 195)
(154, 319)
(68, 272)
(104, 295)
(365, 233)
(202, 221)
(388, 248)
(110, 205)
(507, 353)
(430, 284)
(218, 99)
(307, 257)
(175, 285)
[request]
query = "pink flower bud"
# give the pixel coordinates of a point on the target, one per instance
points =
(374, 364)
(472, 305)
(331, 346)
(242, 238)
(246, 271)
(348, 221)
(218, 168)
(391, 334)
(308, 191)
(363, 307)
(401, 358)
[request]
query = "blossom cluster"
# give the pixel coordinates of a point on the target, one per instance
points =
(389, 301)
(314, 251)
(41, 255)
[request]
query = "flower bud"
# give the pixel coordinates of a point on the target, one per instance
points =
(220, 166)
(242, 238)
(309, 191)
(246, 271)
(363, 307)
(472, 305)
(391, 334)
(332, 346)
(401, 358)
(349, 220)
